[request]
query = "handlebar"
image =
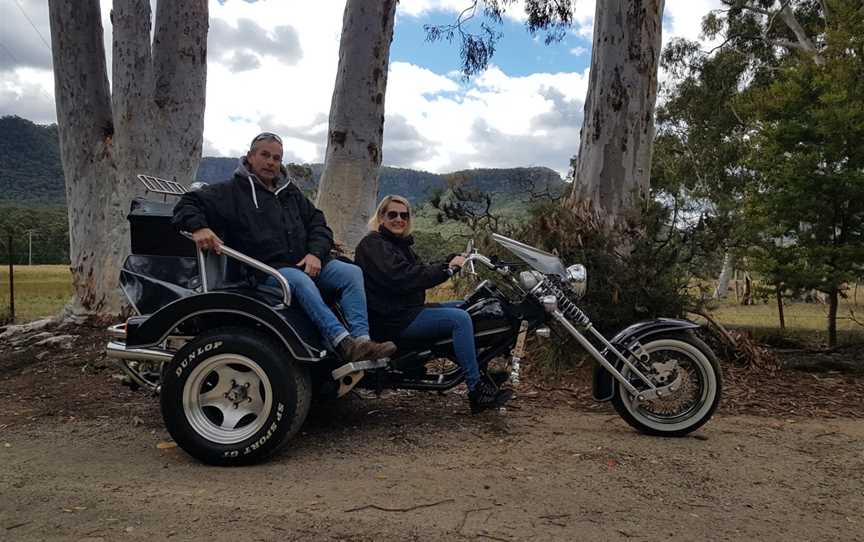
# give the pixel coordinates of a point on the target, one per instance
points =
(476, 256)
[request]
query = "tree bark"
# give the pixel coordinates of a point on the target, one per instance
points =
(725, 275)
(106, 139)
(614, 162)
(86, 128)
(780, 310)
(348, 190)
(833, 304)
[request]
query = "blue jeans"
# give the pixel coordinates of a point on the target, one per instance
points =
(447, 321)
(335, 277)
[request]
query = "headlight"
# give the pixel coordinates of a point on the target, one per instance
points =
(577, 279)
(530, 279)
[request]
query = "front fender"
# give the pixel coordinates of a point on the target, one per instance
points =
(150, 330)
(604, 383)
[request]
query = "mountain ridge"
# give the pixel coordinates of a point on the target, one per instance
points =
(31, 172)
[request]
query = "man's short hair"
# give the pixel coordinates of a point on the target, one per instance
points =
(264, 136)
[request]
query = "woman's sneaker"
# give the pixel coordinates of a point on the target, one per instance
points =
(486, 395)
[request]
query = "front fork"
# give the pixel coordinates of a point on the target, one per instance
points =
(653, 392)
(518, 353)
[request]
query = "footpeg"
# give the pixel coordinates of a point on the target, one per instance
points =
(356, 366)
(350, 374)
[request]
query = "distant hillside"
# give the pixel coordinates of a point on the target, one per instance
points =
(419, 186)
(30, 168)
(31, 172)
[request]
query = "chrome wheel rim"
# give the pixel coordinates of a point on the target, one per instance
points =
(227, 398)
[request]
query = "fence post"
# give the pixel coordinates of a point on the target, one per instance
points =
(11, 283)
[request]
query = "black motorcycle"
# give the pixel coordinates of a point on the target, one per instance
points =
(236, 364)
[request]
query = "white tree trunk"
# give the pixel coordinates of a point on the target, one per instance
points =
(614, 162)
(349, 184)
(103, 145)
(725, 276)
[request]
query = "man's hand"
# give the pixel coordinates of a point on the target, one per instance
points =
(310, 264)
(206, 239)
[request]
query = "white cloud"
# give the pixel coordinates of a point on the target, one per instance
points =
(273, 63)
(28, 93)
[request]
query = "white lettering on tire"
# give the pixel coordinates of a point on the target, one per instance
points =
(280, 408)
(194, 354)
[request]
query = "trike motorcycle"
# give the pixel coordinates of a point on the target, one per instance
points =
(236, 364)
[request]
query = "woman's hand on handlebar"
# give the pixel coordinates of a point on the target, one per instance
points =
(457, 261)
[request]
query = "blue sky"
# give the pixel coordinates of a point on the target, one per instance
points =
(517, 52)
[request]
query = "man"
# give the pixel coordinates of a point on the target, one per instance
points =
(262, 215)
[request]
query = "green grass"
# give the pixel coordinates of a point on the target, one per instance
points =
(40, 291)
(805, 322)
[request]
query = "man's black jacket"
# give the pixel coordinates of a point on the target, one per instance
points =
(278, 228)
(396, 281)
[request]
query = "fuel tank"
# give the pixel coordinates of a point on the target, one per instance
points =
(492, 323)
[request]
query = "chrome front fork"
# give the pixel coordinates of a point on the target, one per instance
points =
(653, 392)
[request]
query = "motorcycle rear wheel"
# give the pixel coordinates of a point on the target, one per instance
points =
(233, 396)
(686, 409)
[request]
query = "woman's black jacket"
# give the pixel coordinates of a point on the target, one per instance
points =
(278, 228)
(396, 281)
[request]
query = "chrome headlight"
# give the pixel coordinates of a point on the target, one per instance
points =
(530, 279)
(577, 279)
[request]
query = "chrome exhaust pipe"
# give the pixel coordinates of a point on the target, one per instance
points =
(118, 350)
(128, 359)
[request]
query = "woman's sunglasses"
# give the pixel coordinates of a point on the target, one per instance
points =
(391, 215)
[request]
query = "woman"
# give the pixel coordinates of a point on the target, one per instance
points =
(396, 283)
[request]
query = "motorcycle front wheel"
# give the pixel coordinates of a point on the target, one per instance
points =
(694, 401)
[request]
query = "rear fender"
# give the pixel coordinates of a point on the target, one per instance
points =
(630, 338)
(150, 330)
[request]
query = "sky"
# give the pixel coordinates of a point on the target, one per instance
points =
(272, 67)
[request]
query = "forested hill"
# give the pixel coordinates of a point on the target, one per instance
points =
(31, 172)
(418, 186)
(30, 168)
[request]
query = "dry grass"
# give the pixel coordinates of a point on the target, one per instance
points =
(40, 290)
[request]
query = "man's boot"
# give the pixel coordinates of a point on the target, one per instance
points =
(352, 349)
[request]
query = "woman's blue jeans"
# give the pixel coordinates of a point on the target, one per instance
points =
(335, 277)
(446, 321)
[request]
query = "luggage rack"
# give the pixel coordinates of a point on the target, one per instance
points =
(162, 186)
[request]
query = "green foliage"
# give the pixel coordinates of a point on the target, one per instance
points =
(806, 206)
(641, 270)
(766, 139)
(50, 234)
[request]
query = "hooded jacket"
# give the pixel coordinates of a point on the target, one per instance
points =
(276, 227)
(396, 281)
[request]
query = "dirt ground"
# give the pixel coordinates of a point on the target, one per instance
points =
(83, 458)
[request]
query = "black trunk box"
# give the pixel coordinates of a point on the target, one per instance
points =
(152, 232)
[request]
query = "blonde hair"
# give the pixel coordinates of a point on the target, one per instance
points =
(375, 221)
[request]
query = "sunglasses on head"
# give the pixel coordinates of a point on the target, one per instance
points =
(391, 215)
(269, 136)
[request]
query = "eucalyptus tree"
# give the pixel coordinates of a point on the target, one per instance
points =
(148, 120)
(349, 182)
